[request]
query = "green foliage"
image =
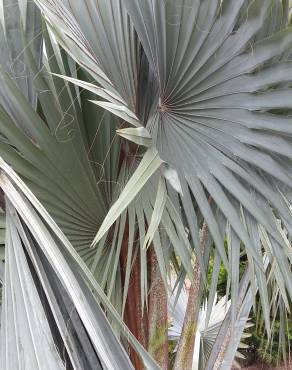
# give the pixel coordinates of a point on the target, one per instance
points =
(222, 278)
(263, 349)
(223, 274)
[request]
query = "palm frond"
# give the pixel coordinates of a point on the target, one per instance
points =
(21, 28)
(205, 86)
(58, 270)
(220, 114)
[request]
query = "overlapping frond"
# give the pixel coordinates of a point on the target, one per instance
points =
(206, 86)
(220, 119)
(221, 77)
(67, 150)
(41, 268)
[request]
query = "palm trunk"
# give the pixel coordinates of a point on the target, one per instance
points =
(158, 323)
(135, 317)
(185, 350)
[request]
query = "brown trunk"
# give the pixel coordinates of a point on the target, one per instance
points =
(158, 323)
(136, 321)
(184, 355)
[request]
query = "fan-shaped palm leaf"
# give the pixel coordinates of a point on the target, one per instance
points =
(206, 85)
(59, 270)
